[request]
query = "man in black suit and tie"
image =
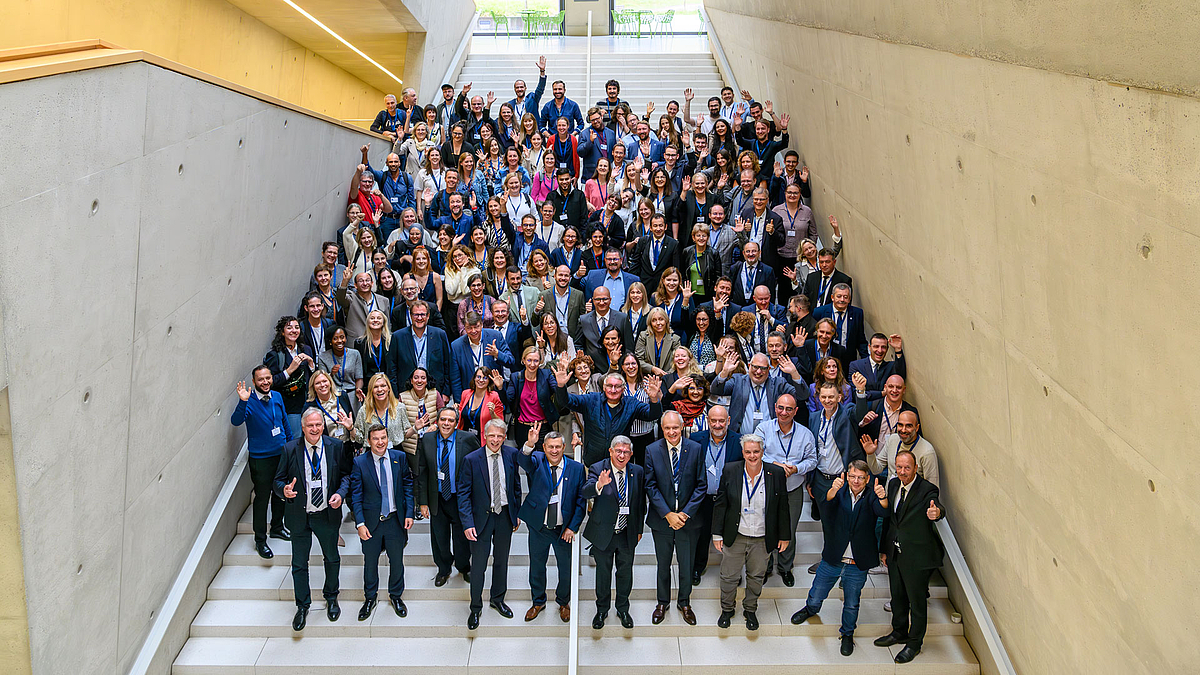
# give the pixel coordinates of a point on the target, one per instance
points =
(617, 490)
(848, 321)
(819, 346)
(313, 480)
(654, 253)
(875, 370)
(401, 317)
(750, 274)
(489, 498)
(593, 324)
(675, 485)
(912, 551)
(720, 447)
(381, 499)
(750, 519)
(420, 345)
(819, 284)
(439, 457)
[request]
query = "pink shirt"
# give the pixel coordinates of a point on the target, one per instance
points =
(530, 410)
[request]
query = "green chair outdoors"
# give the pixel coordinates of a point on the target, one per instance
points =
(662, 24)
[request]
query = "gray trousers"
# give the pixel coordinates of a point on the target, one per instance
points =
(749, 553)
(785, 560)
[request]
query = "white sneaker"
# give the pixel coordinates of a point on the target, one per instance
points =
(887, 606)
(878, 569)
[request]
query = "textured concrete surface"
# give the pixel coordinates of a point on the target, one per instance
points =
(177, 234)
(1033, 235)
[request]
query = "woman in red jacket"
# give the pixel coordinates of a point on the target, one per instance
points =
(481, 402)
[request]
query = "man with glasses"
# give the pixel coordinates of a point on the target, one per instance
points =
(420, 346)
(608, 413)
(617, 490)
(752, 394)
(791, 447)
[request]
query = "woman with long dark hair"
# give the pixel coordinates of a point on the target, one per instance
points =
(291, 365)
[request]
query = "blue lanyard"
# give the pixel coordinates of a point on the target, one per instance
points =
(714, 457)
(313, 467)
(436, 183)
(759, 149)
(420, 352)
(826, 429)
(376, 356)
(714, 236)
(562, 473)
(791, 218)
(757, 400)
(336, 408)
(447, 448)
(387, 415)
(751, 490)
(561, 307)
(822, 288)
(342, 369)
(658, 344)
(787, 452)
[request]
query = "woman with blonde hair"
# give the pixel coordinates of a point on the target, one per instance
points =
(336, 409)
(432, 176)
(657, 343)
(526, 130)
(636, 307)
(382, 407)
(414, 148)
(375, 348)
(533, 152)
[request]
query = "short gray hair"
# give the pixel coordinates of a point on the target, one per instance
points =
(753, 438)
(554, 436)
(620, 440)
(497, 423)
(309, 412)
(841, 287)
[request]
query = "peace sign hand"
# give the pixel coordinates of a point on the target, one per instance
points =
(535, 431)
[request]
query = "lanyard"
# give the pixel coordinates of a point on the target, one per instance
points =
(791, 218)
(376, 356)
(477, 356)
(826, 429)
(447, 448)
(342, 368)
(714, 235)
(658, 344)
(787, 452)
(714, 457)
(314, 467)
(514, 210)
(371, 306)
(822, 288)
(562, 473)
(757, 400)
(759, 148)
(752, 489)
(561, 307)
(436, 183)
(542, 235)
(387, 416)
(424, 341)
(337, 407)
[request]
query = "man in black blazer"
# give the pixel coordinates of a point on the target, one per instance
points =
(401, 310)
(720, 447)
(654, 253)
(879, 418)
(489, 498)
(819, 284)
(912, 550)
(313, 479)
(750, 519)
(593, 324)
(849, 322)
(381, 499)
(751, 273)
(820, 346)
(675, 485)
(852, 506)
(439, 456)
(419, 343)
(875, 370)
(722, 307)
(617, 490)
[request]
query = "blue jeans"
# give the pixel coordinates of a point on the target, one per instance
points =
(827, 576)
(293, 422)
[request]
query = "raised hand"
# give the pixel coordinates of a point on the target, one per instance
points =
(768, 107)
(649, 108)
(541, 63)
(243, 391)
(467, 89)
(492, 350)
(834, 224)
(739, 224)
(804, 174)
(535, 431)
(688, 94)
(868, 444)
(524, 314)
(687, 291)
(896, 342)
(839, 481)
(789, 272)
(541, 304)
(784, 118)
(491, 98)
(427, 195)
(933, 512)
(345, 421)
(289, 490)
(561, 374)
(687, 183)
(859, 380)
(723, 180)
(868, 418)
(880, 490)
(654, 386)
(575, 439)
(778, 170)
(492, 407)
(587, 307)
(746, 95)
(603, 479)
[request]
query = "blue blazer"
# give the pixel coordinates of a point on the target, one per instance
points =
(634, 150)
(661, 489)
(404, 356)
(875, 379)
(595, 279)
(513, 334)
(463, 367)
(593, 146)
(532, 98)
(546, 384)
(763, 276)
(856, 339)
(845, 433)
(366, 502)
(475, 487)
(533, 509)
(519, 246)
(733, 445)
(738, 389)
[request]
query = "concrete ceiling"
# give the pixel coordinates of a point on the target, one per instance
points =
(378, 27)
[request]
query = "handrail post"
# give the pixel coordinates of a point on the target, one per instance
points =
(576, 546)
(587, 84)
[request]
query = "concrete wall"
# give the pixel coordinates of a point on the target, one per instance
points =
(142, 267)
(1033, 235)
(432, 43)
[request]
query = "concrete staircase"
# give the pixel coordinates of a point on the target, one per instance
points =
(644, 76)
(245, 625)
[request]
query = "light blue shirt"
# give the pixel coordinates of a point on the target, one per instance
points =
(830, 458)
(796, 447)
(757, 410)
(419, 344)
(617, 288)
(714, 462)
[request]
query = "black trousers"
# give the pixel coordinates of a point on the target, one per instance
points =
(910, 598)
(640, 443)
(492, 538)
(521, 434)
(820, 486)
(389, 535)
(783, 285)
(704, 536)
(262, 475)
(681, 543)
(445, 527)
(620, 552)
(324, 526)
(540, 541)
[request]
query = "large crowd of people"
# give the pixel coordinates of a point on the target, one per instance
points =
(637, 312)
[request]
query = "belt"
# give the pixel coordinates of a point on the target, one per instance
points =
(829, 476)
(383, 518)
(848, 561)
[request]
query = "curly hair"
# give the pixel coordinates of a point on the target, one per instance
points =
(742, 323)
(277, 343)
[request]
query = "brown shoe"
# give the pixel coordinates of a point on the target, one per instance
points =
(688, 615)
(533, 612)
(660, 613)
(564, 613)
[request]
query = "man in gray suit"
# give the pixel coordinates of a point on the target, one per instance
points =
(752, 395)
(593, 324)
(564, 302)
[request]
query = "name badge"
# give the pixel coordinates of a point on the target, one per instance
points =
(713, 469)
(562, 165)
(562, 216)
(276, 431)
(603, 147)
(748, 511)
(791, 233)
(699, 219)
(757, 415)
(623, 511)
(441, 475)
(554, 499)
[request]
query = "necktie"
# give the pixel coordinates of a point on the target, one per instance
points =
(551, 510)
(900, 502)
(654, 248)
(383, 488)
(444, 469)
(821, 292)
(317, 494)
(762, 337)
(874, 367)
(675, 474)
(622, 500)
(603, 324)
(496, 486)
(841, 326)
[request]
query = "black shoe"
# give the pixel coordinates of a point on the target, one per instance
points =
(598, 620)
(300, 619)
(440, 580)
(751, 620)
(466, 577)
(812, 569)
(399, 606)
(767, 576)
(847, 645)
(473, 621)
(907, 654)
(801, 616)
(333, 610)
(264, 551)
(502, 609)
(890, 639)
(281, 533)
(788, 578)
(626, 619)
(367, 608)
(696, 578)
(724, 620)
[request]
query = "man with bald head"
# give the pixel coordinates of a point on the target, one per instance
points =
(397, 188)
(593, 324)
(676, 485)
(720, 446)
(792, 448)
(908, 438)
(879, 418)
(751, 273)
(768, 317)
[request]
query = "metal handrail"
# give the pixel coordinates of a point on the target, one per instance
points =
(715, 45)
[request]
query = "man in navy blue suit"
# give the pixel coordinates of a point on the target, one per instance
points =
(675, 484)
(553, 512)
(512, 332)
(768, 317)
(611, 277)
(479, 347)
(381, 499)
(720, 446)
(847, 320)
(835, 429)
(750, 274)
(875, 370)
(420, 345)
(617, 488)
(489, 498)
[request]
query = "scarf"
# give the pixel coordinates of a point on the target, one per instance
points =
(689, 410)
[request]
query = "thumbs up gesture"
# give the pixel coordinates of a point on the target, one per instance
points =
(289, 490)
(839, 481)
(880, 491)
(933, 512)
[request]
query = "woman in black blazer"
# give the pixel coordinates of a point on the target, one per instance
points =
(375, 347)
(700, 264)
(291, 364)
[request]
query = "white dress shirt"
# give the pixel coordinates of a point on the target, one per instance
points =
(309, 483)
(487, 455)
(753, 522)
(854, 498)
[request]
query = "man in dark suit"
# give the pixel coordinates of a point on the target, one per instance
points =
(593, 324)
(654, 253)
(479, 347)
(489, 498)
(750, 274)
(764, 227)
(875, 369)
(420, 345)
(852, 506)
(912, 551)
(768, 318)
(752, 395)
(511, 331)
(720, 447)
(313, 479)
(381, 499)
(750, 519)
(553, 512)
(836, 429)
(563, 301)
(820, 346)
(402, 309)
(848, 322)
(880, 418)
(819, 284)
(722, 307)
(617, 490)
(313, 324)
(439, 456)
(675, 485)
